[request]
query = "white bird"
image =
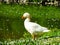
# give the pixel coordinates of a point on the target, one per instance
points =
(32, 27)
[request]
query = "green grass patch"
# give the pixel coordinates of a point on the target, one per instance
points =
(12, 27)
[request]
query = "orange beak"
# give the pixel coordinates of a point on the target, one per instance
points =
(22, 17)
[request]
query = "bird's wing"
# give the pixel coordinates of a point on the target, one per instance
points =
(35, 26)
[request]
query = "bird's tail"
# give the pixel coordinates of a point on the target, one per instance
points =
(46, 30)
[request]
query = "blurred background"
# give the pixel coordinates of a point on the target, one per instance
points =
(44, 12)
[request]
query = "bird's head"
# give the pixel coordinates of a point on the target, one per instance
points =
(26, 15)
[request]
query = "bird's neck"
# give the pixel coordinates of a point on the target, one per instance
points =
(27, 20)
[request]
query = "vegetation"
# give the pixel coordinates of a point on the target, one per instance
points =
(12, 28)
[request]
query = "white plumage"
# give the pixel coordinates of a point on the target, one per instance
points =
(32, 27)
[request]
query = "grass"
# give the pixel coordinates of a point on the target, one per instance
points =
(29, 41)
(12, 29)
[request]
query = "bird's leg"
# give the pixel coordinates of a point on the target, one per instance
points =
(33, 36)
(41, 33)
